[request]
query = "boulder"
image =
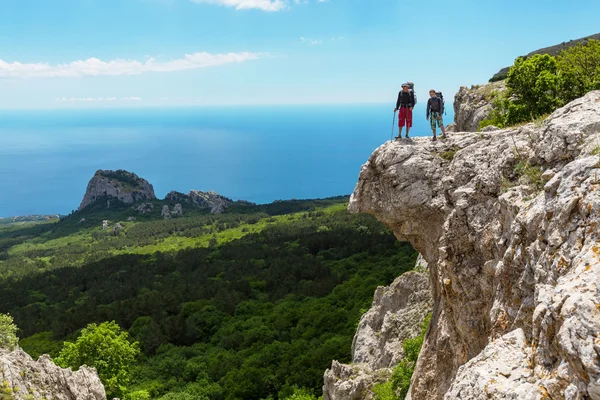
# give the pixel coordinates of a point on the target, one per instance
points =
(22, 378)
(122, 185)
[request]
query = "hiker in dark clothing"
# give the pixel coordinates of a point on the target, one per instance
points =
(405, 103)
(435, 109)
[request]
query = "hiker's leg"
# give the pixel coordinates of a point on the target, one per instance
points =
(401, 120)
(432, 123)
(408, 120)
(441, 125)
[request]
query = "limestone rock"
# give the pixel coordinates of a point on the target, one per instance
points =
(42, 379)
(144, 208)
(120, 184)
(117, 229)
(514, 259)
(351, 382)
(177, 211)
(396, 314)
(212, 201)
(165, 213)
(473, 105)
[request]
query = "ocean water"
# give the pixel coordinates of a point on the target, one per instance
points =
(260, 154)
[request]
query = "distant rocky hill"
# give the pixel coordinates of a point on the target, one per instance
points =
(125, 186)
(552, 50)
(204, 200)
(129, 188)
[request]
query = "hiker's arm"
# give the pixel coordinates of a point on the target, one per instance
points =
(441, 107)
(398, 101)
(428, 107)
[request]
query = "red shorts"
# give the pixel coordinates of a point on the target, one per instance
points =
(404, 115)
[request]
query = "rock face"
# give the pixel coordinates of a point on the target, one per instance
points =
(125, 186)
(473, 105)
(26, 379)
(397, 314)
(203, 200)
(513, 254)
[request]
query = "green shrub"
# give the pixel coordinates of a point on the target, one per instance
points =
(384, 391)
(401, 378)
(448, 155)
(530, 174)
(106, 348)
(8, 332)
(595, 151)
(540, 84)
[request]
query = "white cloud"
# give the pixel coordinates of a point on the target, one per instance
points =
(95, 67)
(312, 42)
(264, 5)
(96, 99)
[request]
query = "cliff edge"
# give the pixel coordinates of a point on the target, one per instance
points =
(508, 223)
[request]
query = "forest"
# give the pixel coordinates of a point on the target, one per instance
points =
(251, 304)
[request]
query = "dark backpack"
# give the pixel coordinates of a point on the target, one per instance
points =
(411, 89)
(441, 97)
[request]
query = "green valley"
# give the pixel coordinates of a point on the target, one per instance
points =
(253, 303)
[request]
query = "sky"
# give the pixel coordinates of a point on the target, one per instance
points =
(137, 53)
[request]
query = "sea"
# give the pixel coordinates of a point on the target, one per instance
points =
(254, 153)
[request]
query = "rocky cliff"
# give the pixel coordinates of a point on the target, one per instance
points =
(125, 186)
(473, 105)
(508, 222)
(397, 314)
(21, 378)
(204, 200)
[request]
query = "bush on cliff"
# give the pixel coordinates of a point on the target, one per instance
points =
(106, 348)
(8, 332)
(540, 84)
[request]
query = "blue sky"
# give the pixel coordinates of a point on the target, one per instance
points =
(120, 53)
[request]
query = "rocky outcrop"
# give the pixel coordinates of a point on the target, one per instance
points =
(144, 208)
(22, 378)
(471, 106)
(212, 201)
(397, 314)
(177, 211)
(508, 222)
(125, 186)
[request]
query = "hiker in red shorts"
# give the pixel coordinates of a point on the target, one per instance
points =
(405, 103)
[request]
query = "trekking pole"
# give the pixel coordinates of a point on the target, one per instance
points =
(393, 123)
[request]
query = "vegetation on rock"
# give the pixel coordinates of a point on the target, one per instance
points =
(540, 84)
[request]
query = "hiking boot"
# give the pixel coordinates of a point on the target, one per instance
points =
(434, 139)
(444, 136)
(397, 137)
(407, 136)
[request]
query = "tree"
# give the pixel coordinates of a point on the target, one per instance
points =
(532, 88)
(8, 332)
(106, 348)
(579, 68)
